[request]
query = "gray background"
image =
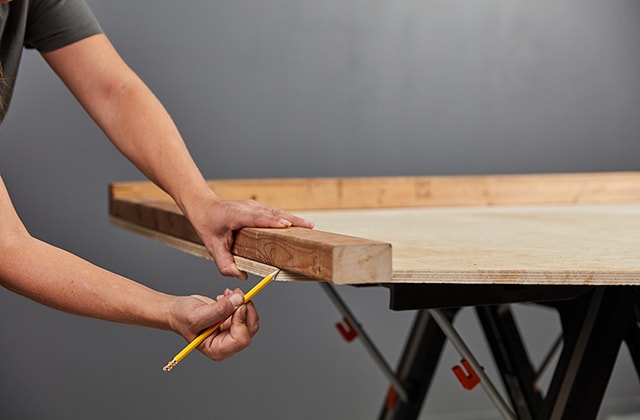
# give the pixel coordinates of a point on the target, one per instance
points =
(301, 88)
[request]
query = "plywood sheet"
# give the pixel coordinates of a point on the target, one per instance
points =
(511, 229)
(579, 244)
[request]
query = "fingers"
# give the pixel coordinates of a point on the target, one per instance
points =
(295, 220)
(234, 334)
(244, 326)
(248, 315)
(252, 319)
(216, 225)
(250, 213)
(216, 311)
(226, 264)
(238, 322)
(273, 217)
(220, 251)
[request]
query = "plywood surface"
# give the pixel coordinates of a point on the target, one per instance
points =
(584, 244)
(522, 229)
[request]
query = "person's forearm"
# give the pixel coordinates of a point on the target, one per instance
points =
(136, 122)
(139, 126)
(130, 115)
(64, 281)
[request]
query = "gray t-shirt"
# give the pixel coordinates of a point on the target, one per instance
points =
(44, 25)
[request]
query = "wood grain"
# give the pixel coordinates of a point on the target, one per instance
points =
(512, 229)
(560, 245)
(320, 255)
(421, 191)
(198, 250)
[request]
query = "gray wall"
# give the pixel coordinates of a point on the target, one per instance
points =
(298, 88)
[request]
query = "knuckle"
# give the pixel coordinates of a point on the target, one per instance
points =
(225, 271)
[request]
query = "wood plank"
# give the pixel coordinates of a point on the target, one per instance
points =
(198, 250)
(421, 191)
(338, 258)
(332, 257)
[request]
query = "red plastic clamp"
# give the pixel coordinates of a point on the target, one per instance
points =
(468, 381)
(346, 330)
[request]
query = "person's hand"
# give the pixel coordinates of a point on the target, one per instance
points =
(215, 221)
(193, 314)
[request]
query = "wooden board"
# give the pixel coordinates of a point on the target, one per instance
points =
(421, 191)
(306, 253)
(460, 230)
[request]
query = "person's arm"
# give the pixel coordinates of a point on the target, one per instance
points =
(137, 123)
(61, 280)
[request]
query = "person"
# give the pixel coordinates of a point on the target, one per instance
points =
(72, 43)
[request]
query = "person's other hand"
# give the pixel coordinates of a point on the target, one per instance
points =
(216, 220)
(193, 314)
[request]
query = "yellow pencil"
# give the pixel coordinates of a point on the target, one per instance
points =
(206, 333)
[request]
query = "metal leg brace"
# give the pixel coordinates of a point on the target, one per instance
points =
(461, 347)
(366, 341)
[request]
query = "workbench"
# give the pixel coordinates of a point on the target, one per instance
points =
(569, 241)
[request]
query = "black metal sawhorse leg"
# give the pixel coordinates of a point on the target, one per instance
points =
(511, 358)
(632, 337)
(417, 366)
(595, 321)
(594, 327)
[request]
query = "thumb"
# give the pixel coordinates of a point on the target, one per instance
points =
(221, 309)
(236, 300)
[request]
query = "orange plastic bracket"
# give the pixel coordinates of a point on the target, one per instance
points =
(468, 381)
(392, 399)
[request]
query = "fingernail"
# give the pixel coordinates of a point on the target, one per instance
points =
(285, 222)
(236, 299)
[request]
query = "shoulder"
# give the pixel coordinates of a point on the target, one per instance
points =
(53, 24)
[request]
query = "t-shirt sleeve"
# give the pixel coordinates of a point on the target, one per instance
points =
(53, 24)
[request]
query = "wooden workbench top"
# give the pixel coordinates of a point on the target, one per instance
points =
(569, 244)
(508, 229)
